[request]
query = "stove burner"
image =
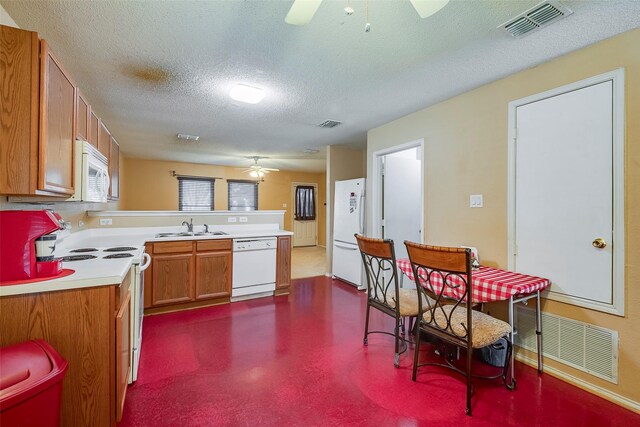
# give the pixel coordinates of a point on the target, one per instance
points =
(125, 255)
(84, 250)
(121, 249)
(77, 258)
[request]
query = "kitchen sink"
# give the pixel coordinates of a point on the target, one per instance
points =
(187, 234)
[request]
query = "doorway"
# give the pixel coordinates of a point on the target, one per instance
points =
(566, 153)
(397, 194)
(304, 218)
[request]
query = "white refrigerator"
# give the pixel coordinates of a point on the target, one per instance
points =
(348, 219)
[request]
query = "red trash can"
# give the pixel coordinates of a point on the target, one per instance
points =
(31, 375)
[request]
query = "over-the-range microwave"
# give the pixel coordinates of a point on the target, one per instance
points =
(91, 174)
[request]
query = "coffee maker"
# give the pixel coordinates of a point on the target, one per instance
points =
(27, 244)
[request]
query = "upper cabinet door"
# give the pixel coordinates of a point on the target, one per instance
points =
(104, 140)
(82, 117)
(94, 129)
(57, 112)
(114, 170)
(19, 115)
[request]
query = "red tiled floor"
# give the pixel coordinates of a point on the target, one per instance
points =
(299, 360)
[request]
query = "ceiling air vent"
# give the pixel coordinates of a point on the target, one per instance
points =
(329, 124)
(535, 18)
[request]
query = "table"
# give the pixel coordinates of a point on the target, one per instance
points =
(493, 284)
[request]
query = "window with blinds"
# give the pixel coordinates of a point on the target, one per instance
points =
(195, 194)
(243, 195)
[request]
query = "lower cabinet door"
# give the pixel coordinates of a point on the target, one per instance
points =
(213, 275)
(123, 353)
(172, 279)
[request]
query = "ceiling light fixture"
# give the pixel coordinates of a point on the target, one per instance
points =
(246, 93)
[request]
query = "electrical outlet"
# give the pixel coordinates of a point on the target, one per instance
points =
(106, 221)
(284, 205)
(232, 219)
(243, 219)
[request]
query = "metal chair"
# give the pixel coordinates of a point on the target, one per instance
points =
(383, 292)
(445, 275)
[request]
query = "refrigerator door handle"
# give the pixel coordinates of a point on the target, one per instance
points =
(345, 245)
(361, 217)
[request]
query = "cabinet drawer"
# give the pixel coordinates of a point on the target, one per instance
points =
(213, 245)
(172, 247)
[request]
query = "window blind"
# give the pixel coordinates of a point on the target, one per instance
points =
(243, 195)
(305, 203)
(195, 194)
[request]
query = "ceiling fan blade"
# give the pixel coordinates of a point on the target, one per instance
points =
(426, 8)
(271, 170)
(302, 11)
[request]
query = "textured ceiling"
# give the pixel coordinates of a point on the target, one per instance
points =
(154, 69)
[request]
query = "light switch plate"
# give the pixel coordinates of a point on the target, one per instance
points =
(475, 201)
(106, 221)
(232, 219)
(243, 219)
(284, 205)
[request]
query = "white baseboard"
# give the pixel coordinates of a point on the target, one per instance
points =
(580, 383)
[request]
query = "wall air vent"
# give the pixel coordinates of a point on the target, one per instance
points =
(329, 124)
(535, 18)
(586, 347)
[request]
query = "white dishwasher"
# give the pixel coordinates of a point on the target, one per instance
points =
(254, 268)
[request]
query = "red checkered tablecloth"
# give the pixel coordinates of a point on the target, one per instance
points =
(492, 284)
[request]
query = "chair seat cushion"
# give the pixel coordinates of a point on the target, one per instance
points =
(408, 302)
(486, 329)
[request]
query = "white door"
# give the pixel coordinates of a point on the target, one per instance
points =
(563, 191)
(402, 198)
(304, 232)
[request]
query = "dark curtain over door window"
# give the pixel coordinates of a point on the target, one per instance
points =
(305, 203)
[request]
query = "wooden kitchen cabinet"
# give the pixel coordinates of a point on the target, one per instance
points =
(213, 274)
(172, 278)
(83, 114)
(187, 274)
(57, 132)
(94, 129)
(90, 329)
(114, 169)
(38, 117)
(283, 266)
(123, 353)
(104, 139)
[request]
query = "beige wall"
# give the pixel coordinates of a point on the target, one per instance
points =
(342, 163)
(466, 153)
(149, 186)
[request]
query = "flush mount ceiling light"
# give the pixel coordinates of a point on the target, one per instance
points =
(246, 93)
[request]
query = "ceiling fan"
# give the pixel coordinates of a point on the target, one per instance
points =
(257, 171)
(302, 11)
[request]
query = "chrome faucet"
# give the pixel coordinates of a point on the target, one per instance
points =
(189, 225)
(206, 228)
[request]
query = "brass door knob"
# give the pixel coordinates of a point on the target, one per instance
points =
(599, 243)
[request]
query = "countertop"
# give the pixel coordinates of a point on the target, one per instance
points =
(104, 272)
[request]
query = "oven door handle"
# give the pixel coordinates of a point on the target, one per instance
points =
(147, 262)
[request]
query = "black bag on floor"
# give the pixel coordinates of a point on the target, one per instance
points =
(495, 353)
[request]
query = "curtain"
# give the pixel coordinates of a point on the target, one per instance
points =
(305, 203)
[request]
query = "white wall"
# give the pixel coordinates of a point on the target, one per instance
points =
(5, 19)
